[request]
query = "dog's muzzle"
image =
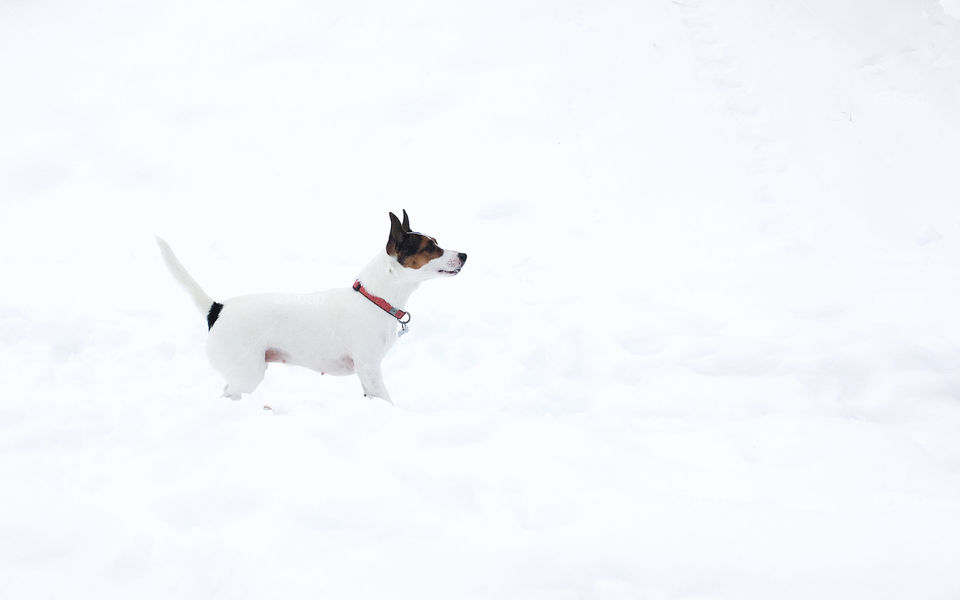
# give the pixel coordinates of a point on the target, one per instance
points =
(463, 259)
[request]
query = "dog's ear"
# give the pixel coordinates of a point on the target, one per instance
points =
(396, 235)
(406, 222)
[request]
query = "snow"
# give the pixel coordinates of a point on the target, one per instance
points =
(705, 346)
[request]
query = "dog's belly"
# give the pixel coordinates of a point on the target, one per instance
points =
(328, 359)
(342, 365)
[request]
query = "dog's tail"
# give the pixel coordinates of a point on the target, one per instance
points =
(204, 302)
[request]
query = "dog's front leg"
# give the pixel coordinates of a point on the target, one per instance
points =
(371, 379)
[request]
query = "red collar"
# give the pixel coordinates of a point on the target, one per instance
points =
(383, 304)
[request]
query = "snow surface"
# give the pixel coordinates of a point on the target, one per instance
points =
(706, 346)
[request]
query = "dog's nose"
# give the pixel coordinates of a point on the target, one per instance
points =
(463, 257)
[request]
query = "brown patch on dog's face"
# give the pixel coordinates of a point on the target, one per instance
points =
(417, 250)
(411, 249)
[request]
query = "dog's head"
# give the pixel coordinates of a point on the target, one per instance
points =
(419, 254)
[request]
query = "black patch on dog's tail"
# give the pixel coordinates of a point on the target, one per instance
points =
(215, 309)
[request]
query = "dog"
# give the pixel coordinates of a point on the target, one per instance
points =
(340, 331)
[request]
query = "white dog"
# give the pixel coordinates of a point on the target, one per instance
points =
(338, 332)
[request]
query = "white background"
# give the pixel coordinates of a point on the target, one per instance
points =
(706, 345)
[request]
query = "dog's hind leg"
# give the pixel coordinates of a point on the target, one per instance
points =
(243, 375)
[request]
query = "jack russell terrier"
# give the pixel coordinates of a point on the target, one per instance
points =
(338, 332)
